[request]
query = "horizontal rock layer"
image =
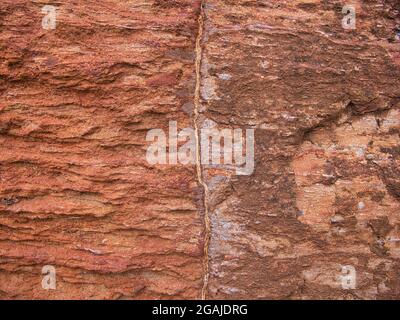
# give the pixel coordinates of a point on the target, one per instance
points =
(77, 192)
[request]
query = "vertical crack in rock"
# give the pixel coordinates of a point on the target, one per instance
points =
(207, 223)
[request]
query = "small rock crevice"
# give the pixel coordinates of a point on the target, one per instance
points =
(197, 103)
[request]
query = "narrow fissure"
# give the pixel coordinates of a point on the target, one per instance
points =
(207, 223)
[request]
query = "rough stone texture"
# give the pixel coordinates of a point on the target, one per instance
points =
(325, 105)
(76, 190)
(77, 193)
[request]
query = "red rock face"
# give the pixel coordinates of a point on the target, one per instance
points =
(77, 190)
(78, 193)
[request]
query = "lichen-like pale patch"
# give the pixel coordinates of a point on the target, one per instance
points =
(326, 194)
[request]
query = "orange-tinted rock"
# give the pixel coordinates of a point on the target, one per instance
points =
(78, 193)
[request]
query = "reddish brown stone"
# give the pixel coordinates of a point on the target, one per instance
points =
(325, 106)
(76, 103)
(77, 193)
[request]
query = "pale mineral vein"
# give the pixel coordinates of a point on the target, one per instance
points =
(207, 223)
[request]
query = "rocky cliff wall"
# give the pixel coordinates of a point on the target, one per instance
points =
(80, 94)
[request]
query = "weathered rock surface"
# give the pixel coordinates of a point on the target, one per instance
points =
(76, 191)
(325, 105)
